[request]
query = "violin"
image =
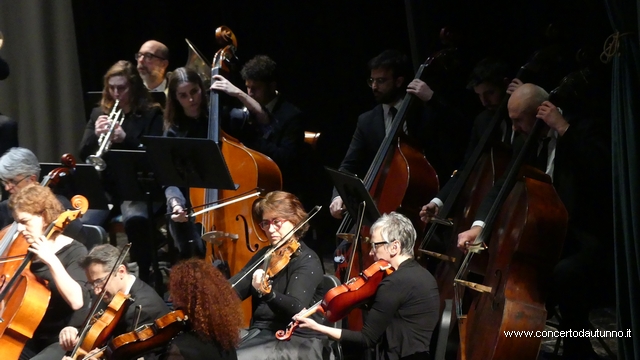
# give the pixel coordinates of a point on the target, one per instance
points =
(143, 339)
(278, 261)
(24, 298)
(339, 301)
(278, 257)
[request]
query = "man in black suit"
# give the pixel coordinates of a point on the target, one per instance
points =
(490, 82)
(98, 265)
(269, 123)
(577, 159)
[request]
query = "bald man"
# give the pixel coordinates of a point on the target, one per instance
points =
(578, 153)
(153, 60)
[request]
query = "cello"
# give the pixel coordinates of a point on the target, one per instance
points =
(26, 298)
(233, 236)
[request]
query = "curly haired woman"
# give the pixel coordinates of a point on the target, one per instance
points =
(213, 307)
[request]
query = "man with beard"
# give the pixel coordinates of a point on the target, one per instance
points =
(490, 82)
(153, 60)
(389, 74)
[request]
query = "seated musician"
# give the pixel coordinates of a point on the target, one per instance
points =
(293, 289)
(577, 160)
(142, 117)
(152, 62)
(185, 115)
(205, 295)
(405, 308)
(97, 266)
(19, 167)
(270, 124)
(57, 263)
(490, 82)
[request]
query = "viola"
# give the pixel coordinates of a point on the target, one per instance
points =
(99, 325)
(339, 301)
(103, 323)
(25, 298)
(144, 339)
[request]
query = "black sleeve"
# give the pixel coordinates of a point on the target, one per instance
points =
(154, 128)
(244, 287)
(78, 274)
(290, 141)
(386, 303)
(89, 143)
(305, 274)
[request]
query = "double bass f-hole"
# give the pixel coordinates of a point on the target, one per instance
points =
(495, 303)
(247, 240)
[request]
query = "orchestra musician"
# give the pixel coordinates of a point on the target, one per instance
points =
(152, 62)
(213, 308)
(405, 308)
(185, 115)
(577, 160)
(270, 124)
(97, 265)
(19, 167)
(142, 117)
(294, 288)
(390, 72)
(490, 82)
(57, 264)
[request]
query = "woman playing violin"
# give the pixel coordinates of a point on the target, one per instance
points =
(57, 263)
(295, 287)
(405, 307)
(186, 115)
(213, 308)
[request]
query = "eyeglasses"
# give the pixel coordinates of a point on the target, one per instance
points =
(277, 223)
(147, 56)
(12, 182)
(375, 244)
(98, 284)
(377, 81)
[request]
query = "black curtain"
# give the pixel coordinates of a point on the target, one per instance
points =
(625, 109)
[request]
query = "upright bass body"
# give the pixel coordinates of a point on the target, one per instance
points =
(525, 246)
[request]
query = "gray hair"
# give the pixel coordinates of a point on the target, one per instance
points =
(18, 161)
(395, 226)
(105, 255)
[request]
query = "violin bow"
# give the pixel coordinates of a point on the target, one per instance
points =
(269, 252)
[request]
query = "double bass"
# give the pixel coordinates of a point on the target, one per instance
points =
(529, 223)
(233, 235)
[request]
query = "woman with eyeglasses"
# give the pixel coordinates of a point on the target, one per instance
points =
(56, 263)
(294, 288)
(185, 116)
(146, 307)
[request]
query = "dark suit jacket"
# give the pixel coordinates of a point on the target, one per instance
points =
(282, 140)
(152, 304)
(582, 179)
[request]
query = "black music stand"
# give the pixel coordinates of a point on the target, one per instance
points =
(84, 180)
(135, 181)
(188, 162)
(353, 192)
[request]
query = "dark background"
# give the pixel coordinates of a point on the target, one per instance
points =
(322, 47)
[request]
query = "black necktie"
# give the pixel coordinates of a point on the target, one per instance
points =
(543, 155)
(393, 111)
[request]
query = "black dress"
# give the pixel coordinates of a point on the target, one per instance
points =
(189, 346)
